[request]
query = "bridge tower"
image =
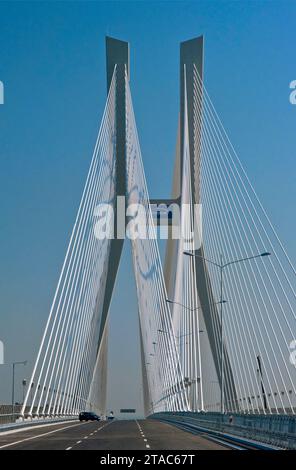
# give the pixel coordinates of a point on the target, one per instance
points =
(117, 60)
(191, 103)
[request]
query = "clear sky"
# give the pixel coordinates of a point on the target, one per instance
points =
(52, 64)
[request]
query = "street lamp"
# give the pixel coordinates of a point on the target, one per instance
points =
(221, 267)
(190, 334)
(12, 394)
(31, 392)
(180, 336)
(166, 332)
(24, 383)
(169, 301)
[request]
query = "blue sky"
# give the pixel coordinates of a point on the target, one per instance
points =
(52, 64)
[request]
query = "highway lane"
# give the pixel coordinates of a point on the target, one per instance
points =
(116, 435)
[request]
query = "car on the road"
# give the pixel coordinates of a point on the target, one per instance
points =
(88, 416)
(110, 417)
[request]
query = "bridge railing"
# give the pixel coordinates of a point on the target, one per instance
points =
(276, 430)
(9, 416)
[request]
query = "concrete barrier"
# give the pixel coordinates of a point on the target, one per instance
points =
(35, 422)
(276, 430)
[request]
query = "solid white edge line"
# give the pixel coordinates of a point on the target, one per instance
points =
(36, 437)
(38, 426)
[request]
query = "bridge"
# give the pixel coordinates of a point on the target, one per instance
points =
(216, 320)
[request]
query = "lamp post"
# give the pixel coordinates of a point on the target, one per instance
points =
(31, 392)
(221, 266)
(169, 301)
(24, 383)
(192, 309)
(12, 393)
(195, 309)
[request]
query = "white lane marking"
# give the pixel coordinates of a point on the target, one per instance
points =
(105, 425)
(39, 435)
(142, 434)
(91, 434)
(37, 426)
(69, 448)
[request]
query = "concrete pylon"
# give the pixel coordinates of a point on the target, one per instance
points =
(117, 55)
(191, 56)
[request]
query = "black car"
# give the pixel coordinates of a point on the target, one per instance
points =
(88, 416)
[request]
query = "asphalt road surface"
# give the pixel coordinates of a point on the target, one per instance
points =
(114, 435)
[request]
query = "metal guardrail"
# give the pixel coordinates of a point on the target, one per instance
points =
(15, 418)
(275, 430)
(13, 425)
(9, 415)
(229, 440)
(8, 418)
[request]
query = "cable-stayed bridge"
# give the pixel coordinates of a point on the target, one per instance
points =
(217, 322)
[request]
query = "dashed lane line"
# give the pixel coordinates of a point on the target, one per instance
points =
(142, 435)
(91, 434)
